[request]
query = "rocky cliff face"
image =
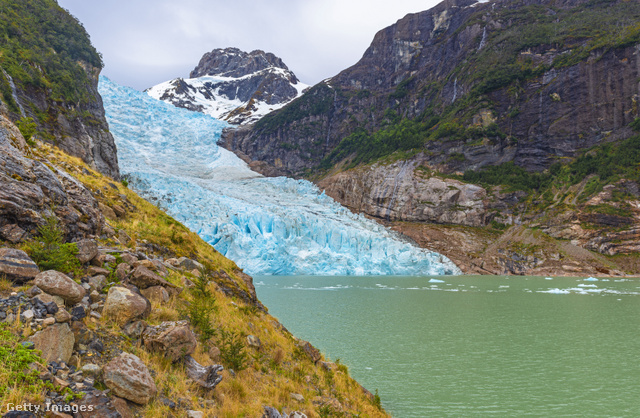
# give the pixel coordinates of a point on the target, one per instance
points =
(462, 87)
(49, 73)
(438, 63)
(233, 85)
(32, 189)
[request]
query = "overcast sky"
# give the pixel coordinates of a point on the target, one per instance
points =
(145, 42)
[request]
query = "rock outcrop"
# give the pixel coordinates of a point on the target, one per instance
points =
(258, 80)
(16, 265)
(31, 190)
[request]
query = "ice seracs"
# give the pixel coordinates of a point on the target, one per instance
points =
(266, 225)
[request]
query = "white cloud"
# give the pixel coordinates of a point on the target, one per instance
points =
(148, 41)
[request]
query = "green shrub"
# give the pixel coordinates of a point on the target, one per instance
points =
(14, 364)
(232, 353)
(202, 306)
(50, 252)
(27, 128)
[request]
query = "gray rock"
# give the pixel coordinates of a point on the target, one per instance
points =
(91, 370)
(58, 284)
(189, 264)
(195, 414)
(27, 315)
(144, 278)
(134, 329)
(123, 305)
(87, 250)
(156, 294)
(13, 233)
(123, 237)
(97, 282)
(128, 377)
(296, 396)
(17, 266)
(56, 342)
(254, 341)
(174, 339)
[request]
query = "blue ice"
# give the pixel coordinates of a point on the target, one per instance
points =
(276, 226)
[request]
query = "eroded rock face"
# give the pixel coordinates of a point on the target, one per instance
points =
(17, 266)
(400, 191)
(59, 284)
(128, 377)
(144, 278)
(124, 305)
(55, 341)
(29, 189)
(175, 339)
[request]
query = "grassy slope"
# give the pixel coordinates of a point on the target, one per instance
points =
(276, 370)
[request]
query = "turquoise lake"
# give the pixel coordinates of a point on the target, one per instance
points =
(474, 345)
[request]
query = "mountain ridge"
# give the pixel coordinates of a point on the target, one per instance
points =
(233, 85)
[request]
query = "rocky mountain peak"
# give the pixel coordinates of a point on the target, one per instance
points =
(233, 85)
(232, 62)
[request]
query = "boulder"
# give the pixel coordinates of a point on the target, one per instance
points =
(97, 282)
(144, 278)
(174, 339)
(160, 267)
(312, 352)
(123, 305)
(128, 377)
(129, 258)
(59, 284)
(189, 264)
(56, 342)
(17, 266)
(62, 316)
(122, 271)
(96, 271)
(91, 370)
(87, 250)
(156, 294)
(107, 211)
(134, 329)
(253, 341)
(95, 404)
(144, 263)
(13, 233)
(47, 298)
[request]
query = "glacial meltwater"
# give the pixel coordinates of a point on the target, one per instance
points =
(468, 346)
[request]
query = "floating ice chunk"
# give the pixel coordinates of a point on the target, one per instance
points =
(587, 285)
(436, 281)
(591, 279)
(548, 278)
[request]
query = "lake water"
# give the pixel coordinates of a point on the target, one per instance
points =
(474, 345)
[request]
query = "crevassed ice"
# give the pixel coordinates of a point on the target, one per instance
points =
(266, 225)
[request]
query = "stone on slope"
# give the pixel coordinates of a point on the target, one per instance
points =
(128, 377)
(174, 339)
(123, 305)
(87, 250)
(55, 341)
(17, 266)
(59, 284)
(156, 294)
(144, 278)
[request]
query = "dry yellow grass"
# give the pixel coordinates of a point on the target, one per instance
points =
(275, 371)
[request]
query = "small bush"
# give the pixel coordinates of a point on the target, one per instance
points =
(232, 351)
(202, 306)
(14, 361)
(49, 250)
(27, 128)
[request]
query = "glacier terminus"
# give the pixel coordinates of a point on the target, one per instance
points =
(268, 226)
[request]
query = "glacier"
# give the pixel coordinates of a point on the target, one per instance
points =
(268, 226)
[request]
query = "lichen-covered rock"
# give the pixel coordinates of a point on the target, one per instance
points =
(59, 284)
(17, 266)
(55, 341)
(124, 305)
(174, 339)
(87, 250)
(144, 278)
(128, 377)
(156, 294)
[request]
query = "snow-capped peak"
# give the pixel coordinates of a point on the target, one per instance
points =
(233, 85)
